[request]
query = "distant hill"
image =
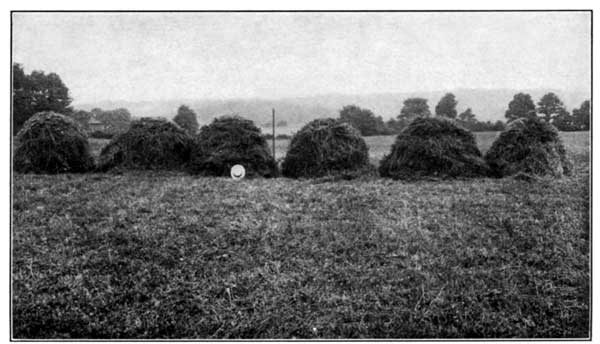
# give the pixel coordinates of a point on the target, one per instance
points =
(487, 104)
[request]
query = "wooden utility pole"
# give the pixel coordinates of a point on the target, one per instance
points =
(273, 134)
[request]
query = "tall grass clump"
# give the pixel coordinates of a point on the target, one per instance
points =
(52, 143)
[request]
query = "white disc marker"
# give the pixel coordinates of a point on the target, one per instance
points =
(238, 172)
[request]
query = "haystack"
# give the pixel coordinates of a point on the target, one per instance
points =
(149, 144)
(228, 141)
(433, 147)
(52, 143)
(325, 147)
(529, 145)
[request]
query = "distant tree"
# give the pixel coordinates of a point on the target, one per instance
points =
(116, 121)
(21, 93)
(467, 116)
(186, 118)
(498, 126)
(413, 108)
(582, 116)
(484, 126)
(281, 123)
(363, 119)
(82, 117)
(446, 106)
(551, 106)
(468, 120)
(520, 106)
(564, 122)
(380, 127)
(37, 92)
(393, 126)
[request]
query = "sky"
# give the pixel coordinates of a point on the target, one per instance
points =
(164, 56)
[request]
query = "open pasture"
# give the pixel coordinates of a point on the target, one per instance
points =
(169, 255)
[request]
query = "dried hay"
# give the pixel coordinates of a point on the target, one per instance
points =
(228, 141)
(149, 144)
(326, 147)
(52, 143)
(433, 147)
(529, 145)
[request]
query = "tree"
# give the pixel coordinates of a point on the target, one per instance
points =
(413, 108)
(363, 119)
(186, 118)
(582, 116)
(393, 126)
(520, 106)
(551, 106)
(447, 106)
(116, 121)
(82, 117)
(22, 105)
(469, 121)
(498, 126)
(37, 92)
(564, 122)
(467, 116)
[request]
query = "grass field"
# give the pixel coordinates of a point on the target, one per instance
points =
(168, 255)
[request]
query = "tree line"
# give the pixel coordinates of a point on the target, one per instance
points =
(117, 121)
(550, 108)
(39, 91)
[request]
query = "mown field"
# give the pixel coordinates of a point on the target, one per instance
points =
(169, 255)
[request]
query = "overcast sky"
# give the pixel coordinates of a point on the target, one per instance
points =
(160, 56)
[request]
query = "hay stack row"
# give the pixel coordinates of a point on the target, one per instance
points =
(428, 147)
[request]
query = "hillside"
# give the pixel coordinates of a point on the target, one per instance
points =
(487, 104)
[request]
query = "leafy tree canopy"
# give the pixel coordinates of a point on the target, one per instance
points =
(363, 119)
(467, 116)
(82, 117)
(186, 118)
(551, 106)
(447, 106)
(35, 93)
(520, 106)
(116, 121)
(582, 116)
(413, 108)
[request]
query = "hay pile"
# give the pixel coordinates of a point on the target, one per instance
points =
(49, 142)
(529, 145)
(149, 144)
(325, 147)
(433, 147)
(228, 141)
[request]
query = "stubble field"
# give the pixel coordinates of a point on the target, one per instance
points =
(168, 255)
